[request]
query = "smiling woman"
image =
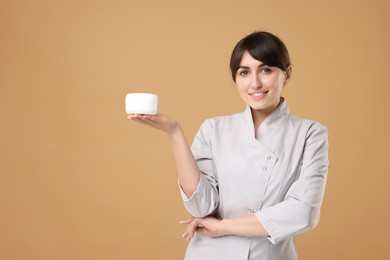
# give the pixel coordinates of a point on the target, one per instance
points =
(260, 66)
(253, 180)
(260, 86)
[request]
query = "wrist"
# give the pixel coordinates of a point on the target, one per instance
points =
(224, 227)
(175, 131)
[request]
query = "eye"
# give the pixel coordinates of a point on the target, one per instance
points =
(243, 73)
(265, 70)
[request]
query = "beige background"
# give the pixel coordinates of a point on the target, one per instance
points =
(80, 181)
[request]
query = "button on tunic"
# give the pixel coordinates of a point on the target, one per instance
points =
(278, 174)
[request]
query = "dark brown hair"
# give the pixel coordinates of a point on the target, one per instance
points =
(262, 46)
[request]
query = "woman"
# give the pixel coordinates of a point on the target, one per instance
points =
(255, 179)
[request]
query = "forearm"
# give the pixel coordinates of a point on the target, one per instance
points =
(187, 169)
(247, 225)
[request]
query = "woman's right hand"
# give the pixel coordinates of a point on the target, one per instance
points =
(159, 121)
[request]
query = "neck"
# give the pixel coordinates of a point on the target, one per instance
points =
(258, 116)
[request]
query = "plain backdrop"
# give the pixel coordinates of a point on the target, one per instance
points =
(80, 181)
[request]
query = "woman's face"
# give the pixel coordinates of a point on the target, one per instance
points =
(259, 85)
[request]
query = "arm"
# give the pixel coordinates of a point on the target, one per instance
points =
(247, 225)
(198, 184)
(187, 169)
(298, 213)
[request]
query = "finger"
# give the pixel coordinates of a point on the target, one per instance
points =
(156, 116)
(190, 235)
(142, 119)
(138, 120)
(152, 120)
(135, 115)
(186, 235)
(190, 230)
(151, 123)
(186, 221)
(198, 229)
(131, 116)
(146, 118)
(151, 117)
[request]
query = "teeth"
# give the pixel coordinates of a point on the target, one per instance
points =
(257, 94)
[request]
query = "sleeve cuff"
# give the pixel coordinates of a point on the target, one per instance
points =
(267, 224)
(184, 196)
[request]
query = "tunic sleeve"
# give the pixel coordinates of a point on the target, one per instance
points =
(206, 198)
(300, 210)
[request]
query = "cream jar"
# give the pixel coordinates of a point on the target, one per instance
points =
(141, 103)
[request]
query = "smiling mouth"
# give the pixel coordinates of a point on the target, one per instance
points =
(258, 94)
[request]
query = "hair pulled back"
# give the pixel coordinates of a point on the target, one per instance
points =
(262, 46)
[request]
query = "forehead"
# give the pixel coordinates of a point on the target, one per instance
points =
(248, 61)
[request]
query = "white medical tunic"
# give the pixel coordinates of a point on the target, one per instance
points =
(278, 174)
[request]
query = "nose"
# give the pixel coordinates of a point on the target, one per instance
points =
(256, 81)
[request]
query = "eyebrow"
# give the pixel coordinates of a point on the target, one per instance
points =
(245, 67)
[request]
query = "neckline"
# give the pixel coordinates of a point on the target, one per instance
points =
(269, 124)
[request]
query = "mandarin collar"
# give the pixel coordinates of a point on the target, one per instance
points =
(270, 123)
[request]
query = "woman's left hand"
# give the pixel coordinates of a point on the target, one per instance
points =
(208, 226)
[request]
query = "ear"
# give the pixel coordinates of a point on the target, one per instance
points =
(288, 75)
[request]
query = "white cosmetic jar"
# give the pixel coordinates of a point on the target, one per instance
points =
(141, 103)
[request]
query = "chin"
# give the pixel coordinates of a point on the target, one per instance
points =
(264, 104)
(258, 105)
